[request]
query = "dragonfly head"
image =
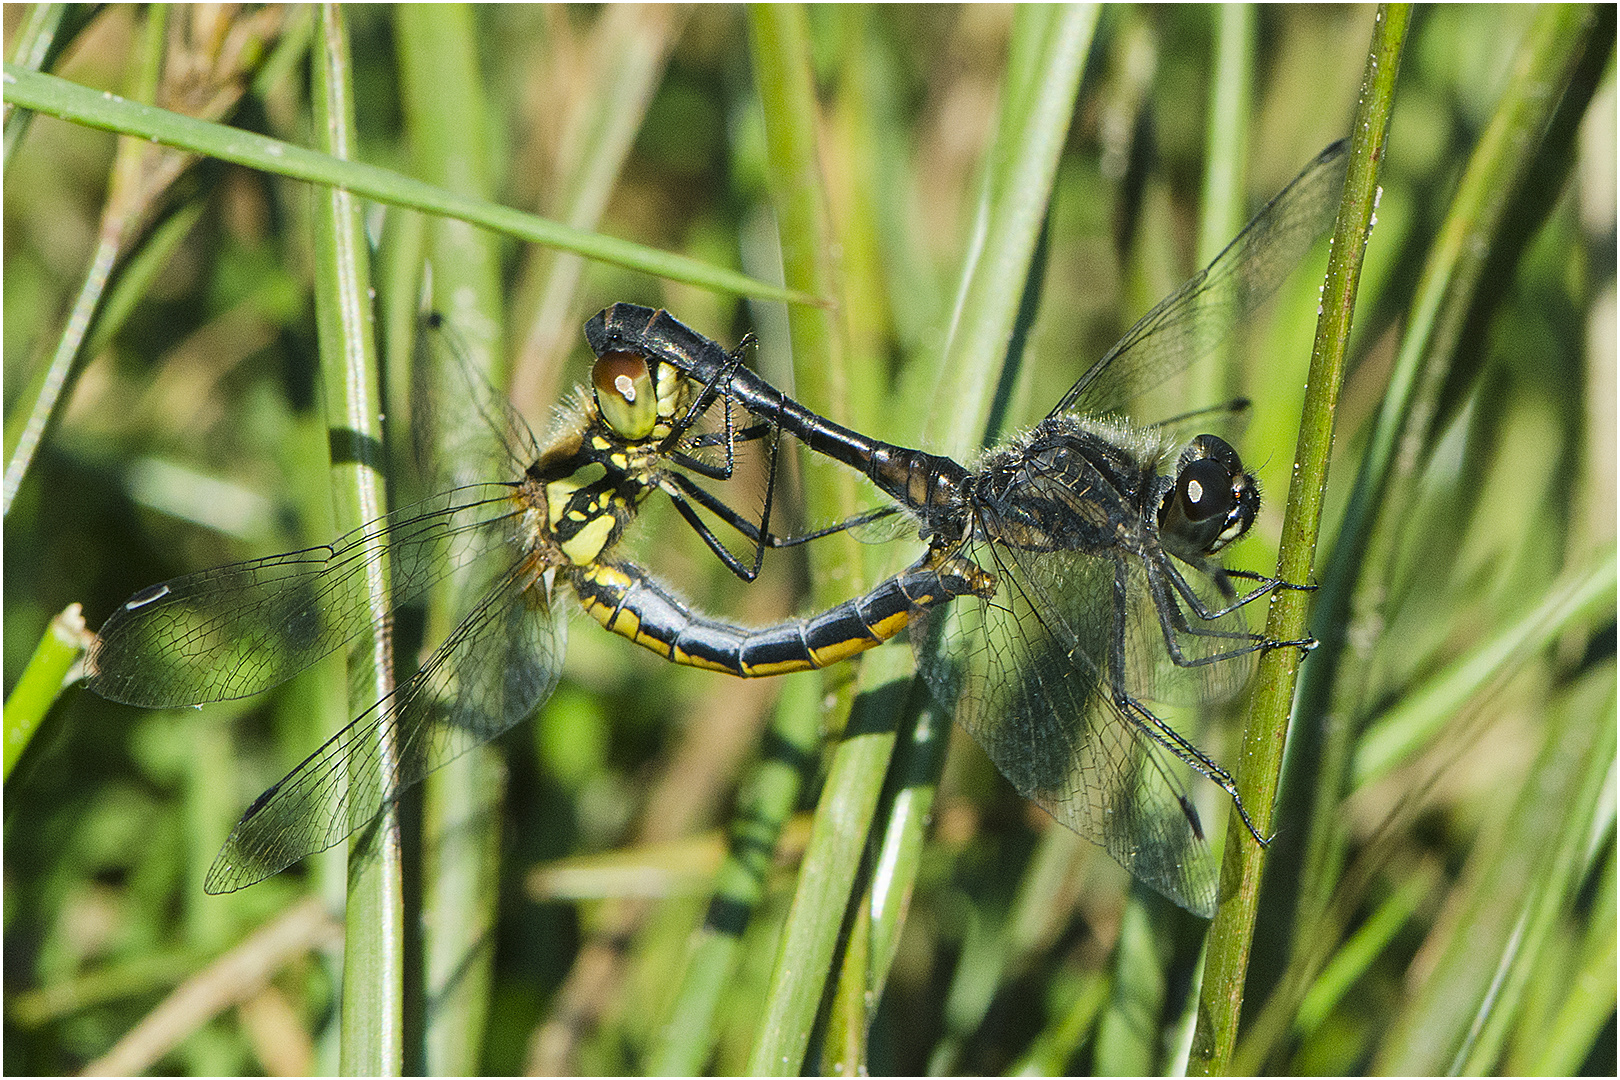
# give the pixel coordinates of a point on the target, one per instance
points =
(1212, 502)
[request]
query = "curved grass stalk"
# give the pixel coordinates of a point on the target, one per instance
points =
(59, 97)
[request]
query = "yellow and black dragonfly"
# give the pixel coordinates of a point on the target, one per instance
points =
(1102, 540)
(550, 527)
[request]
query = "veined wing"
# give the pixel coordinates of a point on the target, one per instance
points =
(463, 429)
(885, 525)
(1216, 655)
(501, 661)
(238, 630)
(1028, 685)
(1191, 321)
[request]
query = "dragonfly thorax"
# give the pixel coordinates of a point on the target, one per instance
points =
(589, 482)
(1070, 484)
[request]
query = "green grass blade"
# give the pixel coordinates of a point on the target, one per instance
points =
(779, 36)
(373, 967)
(600, 134)
(27, 424)
(1519, 882)
(1442, 302)
(1226, 142)
(39, 37)
(443, 92)
(1147, 972)
(42, 682)
(1586, 762)
(1024, 163)
(1055, 1047)
(1020, 173)
(1035, 118)
(58, 97)
(1231, 934)
(1561, 1046)
(1361, 950)
(1304, 866)
(143, 174)
(1418, 718)
(771, 792)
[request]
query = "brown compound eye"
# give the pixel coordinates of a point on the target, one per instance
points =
(624, 393)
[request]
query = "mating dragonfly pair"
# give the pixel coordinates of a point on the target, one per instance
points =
(1083, 556)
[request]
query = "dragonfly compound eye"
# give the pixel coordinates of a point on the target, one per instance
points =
(1204, 491)
(1213, 502)
(624, 393)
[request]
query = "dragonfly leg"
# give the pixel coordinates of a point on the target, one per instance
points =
(1167, 737)
(1173, 621)
(1166, 604)
(1269, 583)
(1144, 720)
(751, 433)
(679, 486)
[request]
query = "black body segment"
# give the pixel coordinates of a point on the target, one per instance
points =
(626, 601)
(910, 477)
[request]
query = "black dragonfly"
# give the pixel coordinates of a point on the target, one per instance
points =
(1102, 538)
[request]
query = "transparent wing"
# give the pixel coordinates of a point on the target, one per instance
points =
(463, 428)
(1191, 321)
(238, 630)
(498, 665)
(886, 525)
(1027, 673)
(1216, 657)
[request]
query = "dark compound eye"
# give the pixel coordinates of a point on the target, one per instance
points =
(1204, 490)
(1212, 503)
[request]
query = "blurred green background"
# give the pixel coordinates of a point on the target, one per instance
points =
(194, 436)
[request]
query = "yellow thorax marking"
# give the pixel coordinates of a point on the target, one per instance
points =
(559, 493)
(584, 546)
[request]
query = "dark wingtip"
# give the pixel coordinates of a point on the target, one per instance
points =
(258, 804)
